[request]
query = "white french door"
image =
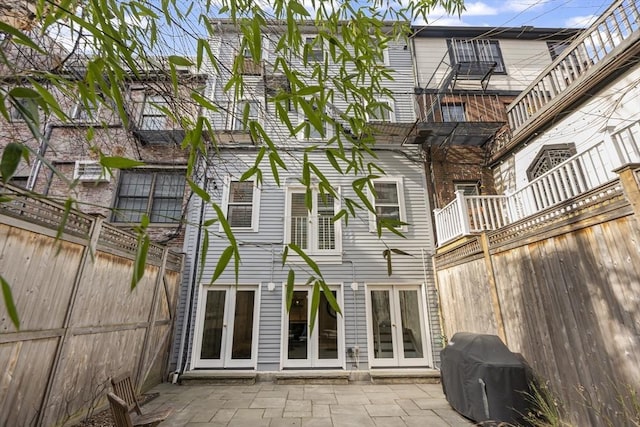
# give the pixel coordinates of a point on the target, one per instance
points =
(396, 326)
(227, 327)
(321, 348)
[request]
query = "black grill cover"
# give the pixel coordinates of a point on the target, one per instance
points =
(483, 380)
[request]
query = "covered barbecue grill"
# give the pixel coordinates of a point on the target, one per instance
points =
(483, 380)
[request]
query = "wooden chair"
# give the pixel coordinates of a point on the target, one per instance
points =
(123, 388)
(123, 418)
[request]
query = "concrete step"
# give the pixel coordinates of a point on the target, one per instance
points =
(218, 376)
(312, 377)
(405, 376)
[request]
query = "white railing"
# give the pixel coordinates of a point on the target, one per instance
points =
(615, 26)
(577, 175)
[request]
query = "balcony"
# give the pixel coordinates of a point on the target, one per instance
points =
(558, 192)
(600, 51)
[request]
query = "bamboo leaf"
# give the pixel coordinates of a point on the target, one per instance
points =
(10, 159)
(203, 253)
(291, 278)
(199, 191)
(141, 259)
(223, 261)
(180, 61)
(331, 298)
(9, 303)
(311, 263)
(315, 303)
(116, 162)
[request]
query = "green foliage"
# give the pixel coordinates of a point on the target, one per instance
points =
(9, 303)
(121, 41)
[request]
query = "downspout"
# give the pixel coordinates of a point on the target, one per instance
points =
(426, 287)
(186, 328)
(356, 352)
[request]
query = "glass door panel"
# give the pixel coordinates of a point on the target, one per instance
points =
(243, 325)
(212, 330)
(381, 323)
(297, 348)
(327, 329)
(411, 325)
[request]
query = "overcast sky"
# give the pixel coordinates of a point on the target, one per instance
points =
(515, 13)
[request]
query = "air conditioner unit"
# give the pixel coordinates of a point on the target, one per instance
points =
(90, 171)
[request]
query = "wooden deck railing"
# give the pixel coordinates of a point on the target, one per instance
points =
(612, 32)
(579, 174)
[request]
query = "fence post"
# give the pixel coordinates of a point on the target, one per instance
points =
(463, 211)
(436, 214)
(142, 372)
(87, 257)
(495, 298)
(630, 186)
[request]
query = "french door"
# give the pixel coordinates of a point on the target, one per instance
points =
(227, 331)
(396, 326)
(321, 348)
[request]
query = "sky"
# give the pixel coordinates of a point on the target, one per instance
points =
(516, 13)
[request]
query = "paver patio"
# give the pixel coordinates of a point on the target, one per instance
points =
(268, 404)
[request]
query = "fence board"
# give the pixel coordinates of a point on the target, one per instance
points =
(570, 302)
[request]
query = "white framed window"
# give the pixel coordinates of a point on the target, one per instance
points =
(309, 132)
(253, 114)
(388, 202)
(314, 47)
(90, 171)
(85, 113)
(241, 204)
(153, 118)
(467, 187)
(384, 111)
(313, 231)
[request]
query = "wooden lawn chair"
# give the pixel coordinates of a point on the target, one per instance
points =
(123, 418)
(123, 388)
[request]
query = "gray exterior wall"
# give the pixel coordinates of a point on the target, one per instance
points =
(362, 259)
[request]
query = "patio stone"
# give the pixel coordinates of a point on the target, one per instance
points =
(389, 421)
(387, 410)
(268, 402)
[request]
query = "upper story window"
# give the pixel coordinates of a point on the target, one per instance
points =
(313, 49)
(24, 108)
(472, 56)
(241, 201)
(388, 201)
(383, 111)
(313, 231)
(309, 131)
(158, 194)
(85, 113)
(153, 116)
(549, 157)
(453, 113)
(246, 111)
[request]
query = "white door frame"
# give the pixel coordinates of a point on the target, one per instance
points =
(312, 360)
(225, 360)
(398, 359)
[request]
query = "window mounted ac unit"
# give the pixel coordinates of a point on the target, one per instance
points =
(90, 171)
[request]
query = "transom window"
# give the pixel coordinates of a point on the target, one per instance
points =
(549, 157)
(389, 204)
(158, 194)
(469, 55)
(313, 231)
(468, 188)
(242, 204)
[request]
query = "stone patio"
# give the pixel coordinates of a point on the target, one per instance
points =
(269, 404)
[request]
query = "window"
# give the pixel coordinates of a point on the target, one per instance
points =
(389, 204)
(453, 113)
(549, 157)
(468, 188)
(473, 56)
(382, 111)
(309, 131)
(153, 118)
(313, 49)
(85, 113)
(242, 204)
(245, 107)
(23, 107)
(313, 231)
(158, 194)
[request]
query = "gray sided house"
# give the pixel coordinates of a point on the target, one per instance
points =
(386, 321)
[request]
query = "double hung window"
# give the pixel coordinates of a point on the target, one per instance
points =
(388, 201)
(242, 204)
(158, 194)
(313, 231)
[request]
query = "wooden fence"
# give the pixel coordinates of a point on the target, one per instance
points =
(80, 321)
(563, 290)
